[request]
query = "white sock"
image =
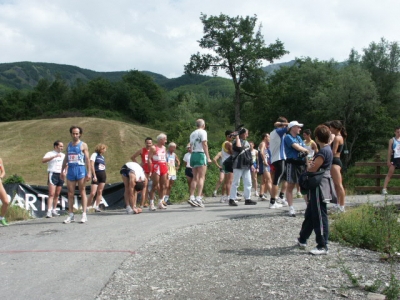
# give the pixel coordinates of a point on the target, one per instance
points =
(71, 214)
(151, 202)
(128, 206)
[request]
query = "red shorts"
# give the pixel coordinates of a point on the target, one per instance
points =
(146, 168)
(160, 169)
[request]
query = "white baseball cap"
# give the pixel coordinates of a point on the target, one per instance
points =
(295, 123)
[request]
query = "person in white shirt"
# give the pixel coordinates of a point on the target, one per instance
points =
(134, 181)
(54, 160)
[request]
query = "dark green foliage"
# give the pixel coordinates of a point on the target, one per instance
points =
(14, 179)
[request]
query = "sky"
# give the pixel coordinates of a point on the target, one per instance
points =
(160, 36)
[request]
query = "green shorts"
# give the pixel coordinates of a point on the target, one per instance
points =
(198, 159)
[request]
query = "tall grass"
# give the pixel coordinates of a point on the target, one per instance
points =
(16, 213)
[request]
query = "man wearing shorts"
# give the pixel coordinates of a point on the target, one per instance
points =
(296, 154)
(134, 181)
(278, 157)
(54, 160)
(393, 158)
(198, 161)
(77, 158)
(159, 172)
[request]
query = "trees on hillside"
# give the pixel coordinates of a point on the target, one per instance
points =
(238, 49)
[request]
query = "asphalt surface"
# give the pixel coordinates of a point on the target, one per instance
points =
(46, 259)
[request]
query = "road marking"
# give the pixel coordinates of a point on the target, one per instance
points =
(65, 251)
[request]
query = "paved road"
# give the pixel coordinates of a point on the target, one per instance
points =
(45, 259)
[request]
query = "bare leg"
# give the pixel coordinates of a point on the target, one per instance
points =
(52, 189)
(337, 180)
(201, 175)
(125, 180)
(389, 176)
(71, 193)
(99, 197)
(93, 190)
(82, 191)
(56, 195)
(4, 200)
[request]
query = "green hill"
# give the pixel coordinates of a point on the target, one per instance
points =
(24, 143)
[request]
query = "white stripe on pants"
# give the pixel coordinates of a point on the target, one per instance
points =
(246, 175)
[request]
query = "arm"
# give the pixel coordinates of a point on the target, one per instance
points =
(335, 145)
(150, 158)
(228, 147)
(299, 148)
(85, 150)
(390, 151)
(93, 170)
(262, 149)
(314, 147)
(315, 164)
(276, 124)
(64, 166)
(205, 148)
(2, 170)
(237, 145)
(47, 159)
(215, 159)
(177, 161)
(136, 154)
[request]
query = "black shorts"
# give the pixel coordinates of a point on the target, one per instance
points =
(189, 172)
(337, 161)
(125, 171)
(101, 177)
(55, 179)
(293, 172)
(280, 171)
(395, 162)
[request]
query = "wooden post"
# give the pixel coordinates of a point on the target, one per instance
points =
(378, 170)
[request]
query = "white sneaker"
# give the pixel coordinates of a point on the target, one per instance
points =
(199, 203)
(292, 212)
(55, 213)
(48, 215)
(301, 246)
(70, 219)
(256, 194)
(384, 192)
(284, 203)
(341, 209)
(317, 251)
(275, 205)
(161, 206)
(214, 194)
(223, 199)
(264, 198)
(152, 207)
(129, 210)
(84, 218)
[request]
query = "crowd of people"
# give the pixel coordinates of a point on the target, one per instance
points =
(274, 167)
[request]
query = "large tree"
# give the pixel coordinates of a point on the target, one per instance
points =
(237, 48)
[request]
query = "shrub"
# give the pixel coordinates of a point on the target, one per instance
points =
(16, 213)
(14, 179)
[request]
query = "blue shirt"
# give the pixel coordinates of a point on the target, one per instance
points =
(276, 144)
(327, 155)
(289, 150)
(76, 156)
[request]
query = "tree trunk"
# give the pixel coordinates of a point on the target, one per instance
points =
(237, 107)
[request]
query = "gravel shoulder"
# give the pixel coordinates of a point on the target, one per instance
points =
(248, 257)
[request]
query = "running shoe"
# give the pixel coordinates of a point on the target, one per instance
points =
(319, 251)
(161, 205)
(70, 219)
(341, 209)
(169, 202)
(239, 194)
(384, 192)
(275, 205)
(283, 202)
(256, 194)
(232, 202)
(152, 207)
(199, 203)
(55, 213)
(299, 195)
(48, 215)
(164, 203)
(97, 209)
(263, 197)
(214, 194)
(129, 210)
(4, 222)
(84, 219)
(223, 199)
(301, 245)
(292, 212)
(249, 202)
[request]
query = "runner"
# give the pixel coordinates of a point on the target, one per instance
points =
(188, 169)
(3, 196)
(312, 148)
(339, 131)
(173, 165)
(77, 158)
(198, 160)
(159, 171)
(98, 168)
(295, 161)
(254, 169)
(144, 155)
(218, 163)
(278, 158)
(134, 179)
(393, 158)
(265, 161)
(54, 160)
(226, 151)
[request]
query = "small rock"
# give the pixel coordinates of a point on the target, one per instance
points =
(322, 289)
(373, 296)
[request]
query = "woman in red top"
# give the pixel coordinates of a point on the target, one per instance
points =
(144, 155)
(158, 170)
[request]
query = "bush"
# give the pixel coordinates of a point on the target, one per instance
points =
(16, 213)
(14, 179)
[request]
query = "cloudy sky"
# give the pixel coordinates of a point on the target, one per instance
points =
(160, 36)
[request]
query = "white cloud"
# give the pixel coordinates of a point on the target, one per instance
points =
(160, 36)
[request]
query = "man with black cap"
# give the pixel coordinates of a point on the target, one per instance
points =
(242, 162)
(295, 160)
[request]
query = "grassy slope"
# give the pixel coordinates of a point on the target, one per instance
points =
(24, 143)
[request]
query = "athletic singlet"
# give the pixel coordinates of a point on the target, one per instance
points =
(144, 155)
(159, 157)
(311, 152)
(75, 155)
(339, 148)
(171, 164)
(396, 148)
(224, 152)
(99, 162)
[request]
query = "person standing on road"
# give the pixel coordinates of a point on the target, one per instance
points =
(188, 169)
(144, 155)
(77, 158)
(242, 166)
(393, 158)
(265, 155)
(295, 161)
(134, 180)
(316, 216)
(173, 165)
(3, 196)
(226, 152)
(54, 160)
(254, 170)
(99, 177)
(198, 161)
(159, 172)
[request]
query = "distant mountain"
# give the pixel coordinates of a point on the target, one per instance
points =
(270, 69)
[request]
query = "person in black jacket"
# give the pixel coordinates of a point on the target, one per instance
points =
(242, 164)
